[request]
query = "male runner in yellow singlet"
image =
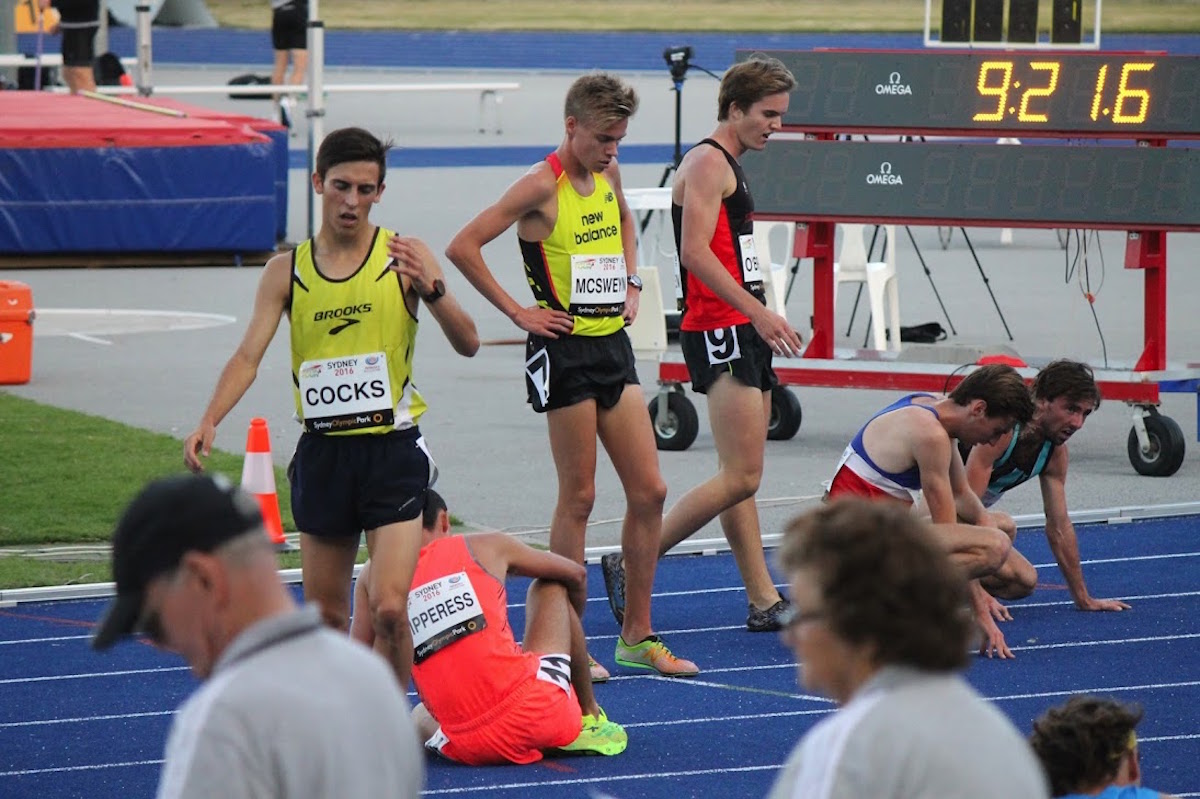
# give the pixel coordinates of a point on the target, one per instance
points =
(351, 295)
(578, 243)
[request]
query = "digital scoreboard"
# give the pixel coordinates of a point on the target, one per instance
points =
(940, 182)
(1027, 93)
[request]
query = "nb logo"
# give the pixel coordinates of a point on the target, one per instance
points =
(608, 197)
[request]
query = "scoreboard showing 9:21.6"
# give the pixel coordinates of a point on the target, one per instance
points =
(1132, 95)
(974, 99)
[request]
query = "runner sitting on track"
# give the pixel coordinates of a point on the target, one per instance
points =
(1064, 395)
(484, 698)
(908, 447)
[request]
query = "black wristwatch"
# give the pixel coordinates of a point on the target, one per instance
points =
(634, 281)
(439, 291)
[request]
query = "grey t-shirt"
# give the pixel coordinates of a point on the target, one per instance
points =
(908, 734)
(294, 710)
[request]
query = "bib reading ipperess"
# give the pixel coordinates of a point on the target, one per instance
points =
(346, 393)
(441, 612)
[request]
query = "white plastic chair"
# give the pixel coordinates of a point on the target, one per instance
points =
(774, 271)
(883, 294)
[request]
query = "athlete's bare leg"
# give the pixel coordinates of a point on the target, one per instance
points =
(628, 437)
(552, 626)
(393, 549)
(738, 416)
(326, 566)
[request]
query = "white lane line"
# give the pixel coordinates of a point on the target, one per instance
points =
(45, 640)
(82, 719)
(654, 775)
(93, 767)
(23, 680)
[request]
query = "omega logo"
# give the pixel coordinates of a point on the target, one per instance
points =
(885, 176)
(893, 86)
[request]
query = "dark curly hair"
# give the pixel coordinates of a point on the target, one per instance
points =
(884, 581)
(1082, 741)
(1065, 378)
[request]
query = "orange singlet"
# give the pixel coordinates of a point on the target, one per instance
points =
(495, 703)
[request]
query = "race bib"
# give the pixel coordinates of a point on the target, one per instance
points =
(751, 270)
(598, 285)
(722, 345)
(441, 612)
(346, 393)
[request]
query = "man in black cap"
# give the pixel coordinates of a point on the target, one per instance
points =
(292, 708)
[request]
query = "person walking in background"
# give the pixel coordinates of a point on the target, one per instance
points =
(351, 295)
(879, 624)
(289, 39)
(727, 333)
(1089, 748)
(289, 709)
(80, 19)
(577, 240)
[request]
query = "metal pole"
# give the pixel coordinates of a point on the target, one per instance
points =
(316, 102)
(145, 84)
(8, 36)
(102, 28)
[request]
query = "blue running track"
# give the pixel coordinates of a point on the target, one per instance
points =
(74, 723)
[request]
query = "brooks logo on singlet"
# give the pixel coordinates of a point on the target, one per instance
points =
(335, 313)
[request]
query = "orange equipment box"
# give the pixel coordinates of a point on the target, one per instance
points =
(16, 332)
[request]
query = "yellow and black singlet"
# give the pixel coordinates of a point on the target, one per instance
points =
(352, 346)
(580, 267)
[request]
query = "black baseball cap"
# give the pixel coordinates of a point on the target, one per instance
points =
(170, 517)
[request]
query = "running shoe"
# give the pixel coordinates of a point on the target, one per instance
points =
(652, 654)
(769, 620)
(599, 673)
(613, 566)
(598, 736)
(285, 112)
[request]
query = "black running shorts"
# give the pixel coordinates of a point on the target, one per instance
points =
(343, 485)
(289, 27)
(560, 372)
(79, 46)
(738, 351)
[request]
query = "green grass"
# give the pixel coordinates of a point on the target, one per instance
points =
(66, 476)
(1119, 16)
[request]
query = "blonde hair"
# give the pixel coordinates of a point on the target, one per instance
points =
(600, 100)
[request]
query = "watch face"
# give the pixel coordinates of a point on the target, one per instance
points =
(635, 281)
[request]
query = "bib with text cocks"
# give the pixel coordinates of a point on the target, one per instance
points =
(441, 612)
(598, 285)
(346, 393)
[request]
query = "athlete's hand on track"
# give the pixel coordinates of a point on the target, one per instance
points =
(992, 643)
(778, 334)
(1104, 604)
(996, 610)
(544, 321)
(198, 443)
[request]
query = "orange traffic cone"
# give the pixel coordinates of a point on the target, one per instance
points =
(258, 478)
